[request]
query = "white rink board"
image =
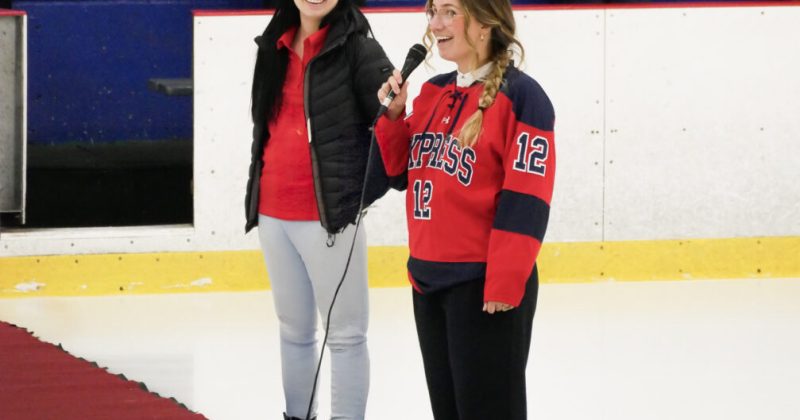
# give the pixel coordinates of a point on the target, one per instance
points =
(703, 119)
(224, 56)
(564, 53)
(625, 84)
(602, 87)
(579, 138)
(223, 66)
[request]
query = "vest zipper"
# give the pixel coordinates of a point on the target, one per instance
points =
(323, 217)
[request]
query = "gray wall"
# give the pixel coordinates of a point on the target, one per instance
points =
(11, 123)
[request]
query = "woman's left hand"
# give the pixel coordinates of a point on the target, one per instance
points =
(492, 307)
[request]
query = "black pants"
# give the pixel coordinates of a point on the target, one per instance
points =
(475, 362)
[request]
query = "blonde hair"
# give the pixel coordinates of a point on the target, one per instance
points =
(498, 15)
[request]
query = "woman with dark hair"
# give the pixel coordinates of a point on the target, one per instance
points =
(313, 100)
(479, 154)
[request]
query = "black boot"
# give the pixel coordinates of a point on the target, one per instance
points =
(285, 417)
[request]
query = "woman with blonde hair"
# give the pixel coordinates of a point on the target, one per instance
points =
(479, 155)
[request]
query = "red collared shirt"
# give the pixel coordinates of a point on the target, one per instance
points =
(287, 184)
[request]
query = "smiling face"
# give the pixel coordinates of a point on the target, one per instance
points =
(313, 11)
(458, 37)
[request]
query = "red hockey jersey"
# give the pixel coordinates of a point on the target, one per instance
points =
(478, 211)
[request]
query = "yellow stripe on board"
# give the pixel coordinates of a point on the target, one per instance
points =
(93, 275)
(566, 262)
(697, 259)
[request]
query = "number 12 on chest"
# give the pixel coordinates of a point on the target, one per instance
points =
(423, 191)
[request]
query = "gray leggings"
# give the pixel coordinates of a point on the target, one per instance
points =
(304, 273)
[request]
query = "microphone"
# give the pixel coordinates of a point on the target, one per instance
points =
(415, 56)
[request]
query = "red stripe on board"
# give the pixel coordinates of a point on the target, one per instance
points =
(42, 381)
(245, 12)
(387, 9)
(682, 5)
(254, 12)
(700, 5)
(6, 12)
(611, 6)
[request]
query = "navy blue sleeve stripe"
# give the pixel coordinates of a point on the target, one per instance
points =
(522, 213)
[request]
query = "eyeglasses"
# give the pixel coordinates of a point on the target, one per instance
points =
(445, 15)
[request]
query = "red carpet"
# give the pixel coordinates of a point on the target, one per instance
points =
(40, 381)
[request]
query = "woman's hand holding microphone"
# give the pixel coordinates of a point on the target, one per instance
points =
(394, 84)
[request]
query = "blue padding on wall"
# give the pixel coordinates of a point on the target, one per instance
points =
(89, 63)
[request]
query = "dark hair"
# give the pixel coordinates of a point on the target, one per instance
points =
(270, 69)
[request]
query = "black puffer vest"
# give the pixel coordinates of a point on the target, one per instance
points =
(340, 99)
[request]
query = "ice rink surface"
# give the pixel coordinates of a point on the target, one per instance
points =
(682, 350)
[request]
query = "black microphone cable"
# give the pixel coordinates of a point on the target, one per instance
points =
(415, 56)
